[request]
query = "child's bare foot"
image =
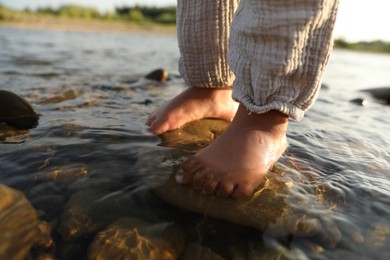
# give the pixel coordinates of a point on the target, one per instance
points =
(237, 161)
(193, 104)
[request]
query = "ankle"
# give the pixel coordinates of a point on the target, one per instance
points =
(270, 121)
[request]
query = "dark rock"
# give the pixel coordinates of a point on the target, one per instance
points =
(382, 94)
(16, 111)
(44, 247)
(48, 202)
(160, 75)
(359, 101)
(324, 86)
(147, 102)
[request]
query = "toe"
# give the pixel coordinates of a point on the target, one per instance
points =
(225, 189)
(150, 120)
(200, 178)
(242, 190)
(205, 179)
(191, 164)
(187, 171)
(210, 187)
(183, 178)
(159, 126)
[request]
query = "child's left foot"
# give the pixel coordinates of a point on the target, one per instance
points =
(237, 161)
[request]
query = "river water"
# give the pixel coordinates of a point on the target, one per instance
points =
(90, 150)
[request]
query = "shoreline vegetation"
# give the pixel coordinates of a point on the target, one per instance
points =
(87, 19)
(141, 19)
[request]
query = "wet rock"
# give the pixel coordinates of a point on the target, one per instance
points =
(48, 202)
(194, 135)
(359, 101)
(378, 239)
(324, 86)
(64, 174)
(145, 102)
(16, 111)
(130, 238)
(19, 224)
(10, 134)
(351, 230)
(265, 207)
(44, 247)
(44, 188)
(89, 210)
(160, 75)
(76, 219)
(266, 210)
(67, 95)
(101, 183)
(382, 94)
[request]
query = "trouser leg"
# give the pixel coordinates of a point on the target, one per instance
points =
(203, 28)
(278, 52)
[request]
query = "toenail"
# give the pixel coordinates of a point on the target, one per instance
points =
(147, 132)
(180, 176)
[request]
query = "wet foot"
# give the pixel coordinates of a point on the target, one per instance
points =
(193, 104)
(237, 161)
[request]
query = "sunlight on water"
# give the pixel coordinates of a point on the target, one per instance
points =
(90, 166)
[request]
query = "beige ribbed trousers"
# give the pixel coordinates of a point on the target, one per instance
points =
(273, 52)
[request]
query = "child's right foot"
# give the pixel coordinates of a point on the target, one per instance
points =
(193, 104)
(236, 162)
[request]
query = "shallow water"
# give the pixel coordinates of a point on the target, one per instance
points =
(90, 152)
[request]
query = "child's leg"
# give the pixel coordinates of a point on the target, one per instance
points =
(278, 51)
(203, 31)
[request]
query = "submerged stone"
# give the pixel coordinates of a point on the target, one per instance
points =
(16, 111)
(267, 209)
(89, 210)
(12, 135)
(19, 224)
(194, 135)
(61, 97)
(130, 238)
(264, 209)
(62, 174)
(76, 219)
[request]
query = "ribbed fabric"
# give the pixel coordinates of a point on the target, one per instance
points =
(203, 28)
(278, 49)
